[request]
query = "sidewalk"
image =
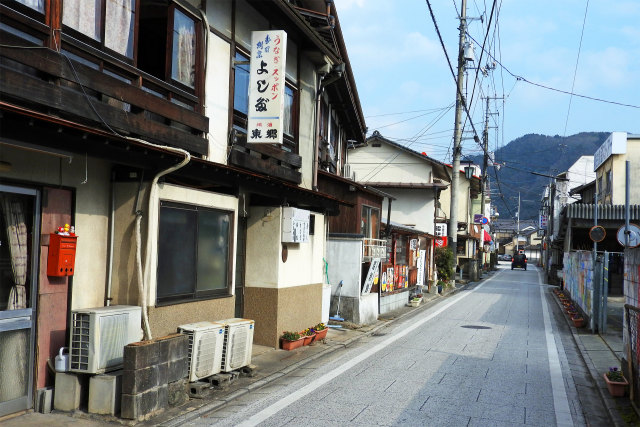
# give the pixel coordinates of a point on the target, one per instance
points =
(599, 354)
(271, 364)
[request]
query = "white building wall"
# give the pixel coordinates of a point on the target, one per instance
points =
(412, 207)
(388, 164)
(90, 178)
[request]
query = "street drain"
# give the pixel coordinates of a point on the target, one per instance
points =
(475, 327)
(378, 334)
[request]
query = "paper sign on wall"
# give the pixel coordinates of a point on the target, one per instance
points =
(371, 276)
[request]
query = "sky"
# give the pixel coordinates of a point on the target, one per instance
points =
(407, 90)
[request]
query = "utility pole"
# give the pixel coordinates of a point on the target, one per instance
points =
(485, 163)
(457, 134)
(518, 227)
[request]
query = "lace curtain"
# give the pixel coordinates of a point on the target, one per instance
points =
(184, 50)
(83, 16)
(13, 212)
(119, 33)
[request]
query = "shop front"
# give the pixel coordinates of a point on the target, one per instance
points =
(406, 269)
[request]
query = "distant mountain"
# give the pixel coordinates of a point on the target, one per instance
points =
(549, 155)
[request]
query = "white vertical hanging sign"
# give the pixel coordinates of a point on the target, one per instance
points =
(266, 86)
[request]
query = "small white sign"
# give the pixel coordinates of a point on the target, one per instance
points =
(266, 86)
(421, 260)
(441, 229)
(295, 225)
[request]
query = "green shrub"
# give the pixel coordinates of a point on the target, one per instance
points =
(445, 263)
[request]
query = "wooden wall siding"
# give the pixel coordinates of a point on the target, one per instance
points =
(56, 89)
(51, 326)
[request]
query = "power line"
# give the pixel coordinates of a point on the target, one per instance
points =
(520, 78)
(434, 110)
(575, 71)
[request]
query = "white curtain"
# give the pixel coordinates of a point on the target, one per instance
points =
(118, 34)
(83, 16)
(13, 212)
(34, 4)
(184, 50)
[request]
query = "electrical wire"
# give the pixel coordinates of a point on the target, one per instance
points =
(520, 78)
(575, 71)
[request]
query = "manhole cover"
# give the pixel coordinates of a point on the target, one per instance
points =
(475, 327)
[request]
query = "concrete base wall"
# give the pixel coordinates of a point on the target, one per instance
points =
(277, 310)
(368, 312)
(392, 302)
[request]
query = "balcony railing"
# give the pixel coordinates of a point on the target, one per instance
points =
(374, 248)
(128, 100)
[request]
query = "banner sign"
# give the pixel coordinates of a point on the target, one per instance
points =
(441, 229)
(266, 86)
(543, 221)
(441, 242)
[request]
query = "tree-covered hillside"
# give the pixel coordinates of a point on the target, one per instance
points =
(543, 154)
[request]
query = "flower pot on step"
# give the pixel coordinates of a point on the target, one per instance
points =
(308, 339)
(616, 389)
(321, 334)
(578, 321)
(292, 345)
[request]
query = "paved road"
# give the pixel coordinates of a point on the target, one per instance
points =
(492, 355)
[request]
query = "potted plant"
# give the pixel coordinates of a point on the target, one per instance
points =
(616, 382)
(578, 321)
(309, 335)
(445, 264)
(415, 301)
(321, 331)
(291, 340)
(441, 285)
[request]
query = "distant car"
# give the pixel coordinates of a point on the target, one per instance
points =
(504, 257)
(520, 261)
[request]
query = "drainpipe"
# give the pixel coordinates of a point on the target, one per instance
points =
(327, 75)
(112, 222)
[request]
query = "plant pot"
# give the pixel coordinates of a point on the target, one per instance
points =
(415, 303)
(439, 289)
(616, 389)
(322, 334)
(292, 345)
(578, 322)
(308, 339)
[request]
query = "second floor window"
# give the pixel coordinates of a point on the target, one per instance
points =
(88, 18)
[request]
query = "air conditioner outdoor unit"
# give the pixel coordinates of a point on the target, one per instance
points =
(238, 342)
(99, 335)
(206, 340)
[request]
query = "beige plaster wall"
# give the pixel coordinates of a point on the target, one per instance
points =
(278, 310)
(217, 97)
(90, 179)
(165, 320)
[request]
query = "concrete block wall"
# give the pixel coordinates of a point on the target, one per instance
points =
(394, 301)
(151, 370)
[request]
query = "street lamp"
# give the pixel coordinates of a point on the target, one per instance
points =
(468, 169)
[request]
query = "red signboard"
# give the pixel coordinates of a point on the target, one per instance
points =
(441, 242)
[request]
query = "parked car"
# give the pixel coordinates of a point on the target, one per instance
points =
(520, 261)
(505, 257)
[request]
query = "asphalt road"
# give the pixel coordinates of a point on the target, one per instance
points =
(496, 354)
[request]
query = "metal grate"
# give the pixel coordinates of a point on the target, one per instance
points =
(632, 345)
(206, 354)
(80, 341)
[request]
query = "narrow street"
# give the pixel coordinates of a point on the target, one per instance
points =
(495, 354)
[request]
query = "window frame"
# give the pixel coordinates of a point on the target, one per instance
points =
(196, 295)
(369, 232)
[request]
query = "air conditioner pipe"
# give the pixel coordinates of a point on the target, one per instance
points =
(143, 275)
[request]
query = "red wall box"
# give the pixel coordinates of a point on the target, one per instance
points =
(62, 255)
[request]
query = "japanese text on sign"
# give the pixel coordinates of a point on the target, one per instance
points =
(266, 86)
